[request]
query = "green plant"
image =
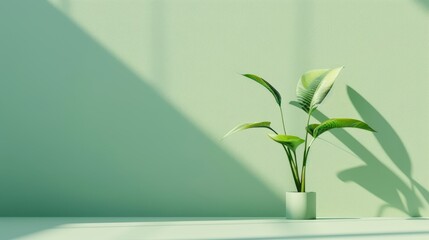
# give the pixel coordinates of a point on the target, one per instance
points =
(312, 88)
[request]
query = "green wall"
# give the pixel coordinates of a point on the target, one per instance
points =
(116, 108)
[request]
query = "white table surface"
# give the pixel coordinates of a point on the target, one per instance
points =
(212, 228)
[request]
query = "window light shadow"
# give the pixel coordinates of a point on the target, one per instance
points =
(82, 135)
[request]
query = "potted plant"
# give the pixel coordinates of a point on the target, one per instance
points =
(312, 88)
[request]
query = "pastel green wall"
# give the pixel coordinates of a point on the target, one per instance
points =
(116, 108)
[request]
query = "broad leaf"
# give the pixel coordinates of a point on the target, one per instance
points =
(310, 128)
(290, 141)
(340, 123)
(313, 87)
(295, 103)
(247, 126)
(267, 85)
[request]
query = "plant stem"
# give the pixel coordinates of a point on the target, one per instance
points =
(304, 158)
(293, 168)
(296, 171)
(292, 164)
(303, 178)
(292, 158)
(304, 166)
(283, 120)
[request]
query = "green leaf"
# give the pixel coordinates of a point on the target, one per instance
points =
(247, 126)
(313, 87)
(310, 128)
(290, 141)
(267, 85)
(340, 123)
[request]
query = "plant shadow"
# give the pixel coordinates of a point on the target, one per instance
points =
(389, 187)
(423, 3)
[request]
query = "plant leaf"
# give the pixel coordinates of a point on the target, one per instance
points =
(290, 141)
(267, 85)
(340, 123)
(310, 128)
(247, 126)
(313, 87)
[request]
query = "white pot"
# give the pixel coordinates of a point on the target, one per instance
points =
(300, 205)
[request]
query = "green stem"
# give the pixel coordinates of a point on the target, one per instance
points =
(296, 171)
(304, 158)
(292, 164)
(293, 168)
(303, 178)
(294, 156)
(304, 165)
(292, 159)
(306, 133)
(283, 120)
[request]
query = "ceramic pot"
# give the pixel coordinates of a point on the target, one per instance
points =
(300, 205)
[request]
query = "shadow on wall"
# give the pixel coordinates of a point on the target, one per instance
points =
(82, 135)
(424, 4)
(374, 176)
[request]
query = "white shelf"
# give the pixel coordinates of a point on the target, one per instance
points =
(212, 228)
